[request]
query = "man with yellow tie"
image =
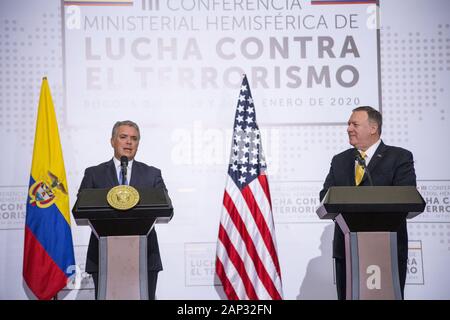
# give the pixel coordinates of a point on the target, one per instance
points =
(386, 166)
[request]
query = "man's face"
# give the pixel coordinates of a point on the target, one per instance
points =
(361, 132)
(125, 142)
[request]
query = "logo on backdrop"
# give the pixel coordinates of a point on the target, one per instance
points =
(437, 196)
(200, 260)
(415, 263)
(81, 280)
(295, 202)
(303, 57)
(12, 207)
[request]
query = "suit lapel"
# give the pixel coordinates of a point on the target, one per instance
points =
(134, 173)
(350, 169)
(376, 158)
(112, 173)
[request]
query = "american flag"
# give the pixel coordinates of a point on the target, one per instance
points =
(247, 262)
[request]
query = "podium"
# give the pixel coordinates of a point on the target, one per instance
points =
(369, 218)
(122, 238)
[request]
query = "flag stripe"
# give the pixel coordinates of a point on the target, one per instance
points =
(240, 246)
(239, 242)
(255, 197)
(231, 272)
(246, 230)
(251, 250)
(250, 268)
(237, 232)
(265, 186)
(48, 247)
(50, 228)
(228, 287)
(250, 223)
(238, 263)
(48, 276)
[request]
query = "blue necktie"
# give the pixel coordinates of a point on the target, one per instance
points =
(123, 177)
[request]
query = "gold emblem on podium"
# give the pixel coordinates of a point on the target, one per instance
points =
(123, 197)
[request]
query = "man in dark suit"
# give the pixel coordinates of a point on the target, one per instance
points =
(125, 141)
(387, 165)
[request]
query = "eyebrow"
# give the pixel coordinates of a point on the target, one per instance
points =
(127, 135)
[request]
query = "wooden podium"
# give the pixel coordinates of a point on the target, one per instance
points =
(122, 238)
(369, 218)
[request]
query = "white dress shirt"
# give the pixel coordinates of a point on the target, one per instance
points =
(370, 152)
(119, 169)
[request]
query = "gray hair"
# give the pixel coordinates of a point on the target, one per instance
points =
(374, 116)
(125, 123)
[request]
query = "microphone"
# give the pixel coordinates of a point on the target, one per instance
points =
(362, 163)
(124, 166)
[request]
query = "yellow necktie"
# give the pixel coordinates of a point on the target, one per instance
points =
(359, 170)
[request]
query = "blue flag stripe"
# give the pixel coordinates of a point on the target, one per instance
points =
(53, 233)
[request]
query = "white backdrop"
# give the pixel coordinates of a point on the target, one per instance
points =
(174, 67)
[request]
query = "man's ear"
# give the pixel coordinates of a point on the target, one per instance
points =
(373, 127)
(112, 145)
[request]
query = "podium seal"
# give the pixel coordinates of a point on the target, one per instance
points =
(122, 197)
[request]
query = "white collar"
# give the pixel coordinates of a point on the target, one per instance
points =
(117, 163)
(371, 151)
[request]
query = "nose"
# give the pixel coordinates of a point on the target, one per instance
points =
(349, 128)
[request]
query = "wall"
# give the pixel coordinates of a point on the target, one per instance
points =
(180, 85)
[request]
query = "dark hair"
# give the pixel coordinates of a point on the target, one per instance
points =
(374, 116)
(125, 123)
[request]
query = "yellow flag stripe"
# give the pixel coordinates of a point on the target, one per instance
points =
(47, 153)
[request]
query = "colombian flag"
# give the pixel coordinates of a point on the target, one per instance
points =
(48, 259)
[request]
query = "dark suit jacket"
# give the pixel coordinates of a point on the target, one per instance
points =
(389, 166)
(105, 176)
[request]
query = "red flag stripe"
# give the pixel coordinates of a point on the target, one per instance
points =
(237, 231)
(262, 225)
(240, 246)
(227, 286)
(247, 210)
(46, 286)
(250, 224)
(259, 265)
(237, 262)
(265, 186)
(231, 272)
(265, 209)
